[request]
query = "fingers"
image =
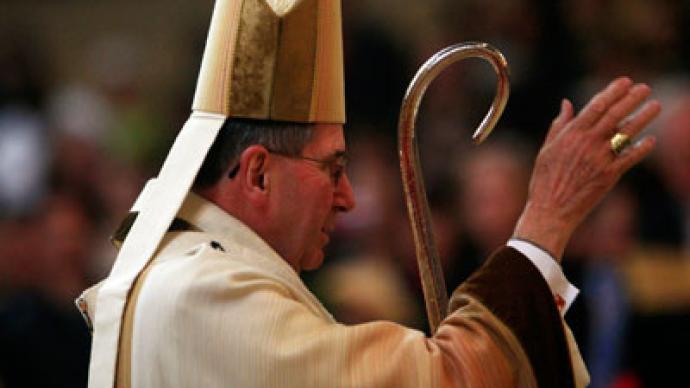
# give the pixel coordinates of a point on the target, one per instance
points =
(638, 122)
(609, 122)
(606, 114)
(634, 154)
(600, 104)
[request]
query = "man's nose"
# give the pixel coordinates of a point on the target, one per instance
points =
(344, 196)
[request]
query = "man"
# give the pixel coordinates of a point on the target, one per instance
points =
(220, 303)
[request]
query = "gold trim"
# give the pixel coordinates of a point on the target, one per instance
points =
(295, 64)
(254, 66)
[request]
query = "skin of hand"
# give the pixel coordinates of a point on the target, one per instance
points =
(576, 167)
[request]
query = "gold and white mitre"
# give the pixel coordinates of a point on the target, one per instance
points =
(264, 59)
(277, 60)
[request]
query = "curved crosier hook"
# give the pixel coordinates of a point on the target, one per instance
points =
(433, 282)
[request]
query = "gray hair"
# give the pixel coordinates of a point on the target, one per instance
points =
(238, 134)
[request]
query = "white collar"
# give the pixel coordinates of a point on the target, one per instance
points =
(231, 232)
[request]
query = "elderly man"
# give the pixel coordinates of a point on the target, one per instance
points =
(205, 291)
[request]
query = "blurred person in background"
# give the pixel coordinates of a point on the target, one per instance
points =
(57, 189)
(24, 160)
(135, 135)
(491, 182)
(107, 107)
(658, 272)
(597, 257)
(673, 161)
(19, 269)
(42, 342)
(105, 136)
(25, 147)
(612, 238)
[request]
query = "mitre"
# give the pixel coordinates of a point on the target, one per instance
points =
(277, 59)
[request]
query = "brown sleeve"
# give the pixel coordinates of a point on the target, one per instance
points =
(512, 288)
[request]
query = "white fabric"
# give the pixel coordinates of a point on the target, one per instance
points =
(208, 294)
(550, 270)
(220, 308)
(145, 196)
(173, 183)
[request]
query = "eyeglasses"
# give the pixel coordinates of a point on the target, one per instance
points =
(335, 165)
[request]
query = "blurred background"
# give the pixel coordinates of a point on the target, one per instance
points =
(92, 94)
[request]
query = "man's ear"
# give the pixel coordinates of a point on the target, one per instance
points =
(253, 164)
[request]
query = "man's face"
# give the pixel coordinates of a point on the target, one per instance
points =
(309, 195)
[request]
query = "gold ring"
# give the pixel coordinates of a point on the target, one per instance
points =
(618, 142)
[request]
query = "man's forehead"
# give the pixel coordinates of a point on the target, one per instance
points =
(327, 139)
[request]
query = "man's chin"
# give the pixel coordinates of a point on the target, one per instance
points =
(313, 262)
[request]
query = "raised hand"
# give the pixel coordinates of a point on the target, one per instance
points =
(578, 164)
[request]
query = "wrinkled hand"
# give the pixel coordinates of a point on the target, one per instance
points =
(576, 167)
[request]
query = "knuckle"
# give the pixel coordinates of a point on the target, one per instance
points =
(642, 90)
(616, 113)
(598, 106)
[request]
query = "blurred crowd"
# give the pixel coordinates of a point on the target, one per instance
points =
(87, 116)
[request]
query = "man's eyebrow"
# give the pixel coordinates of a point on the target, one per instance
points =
(337, 154)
